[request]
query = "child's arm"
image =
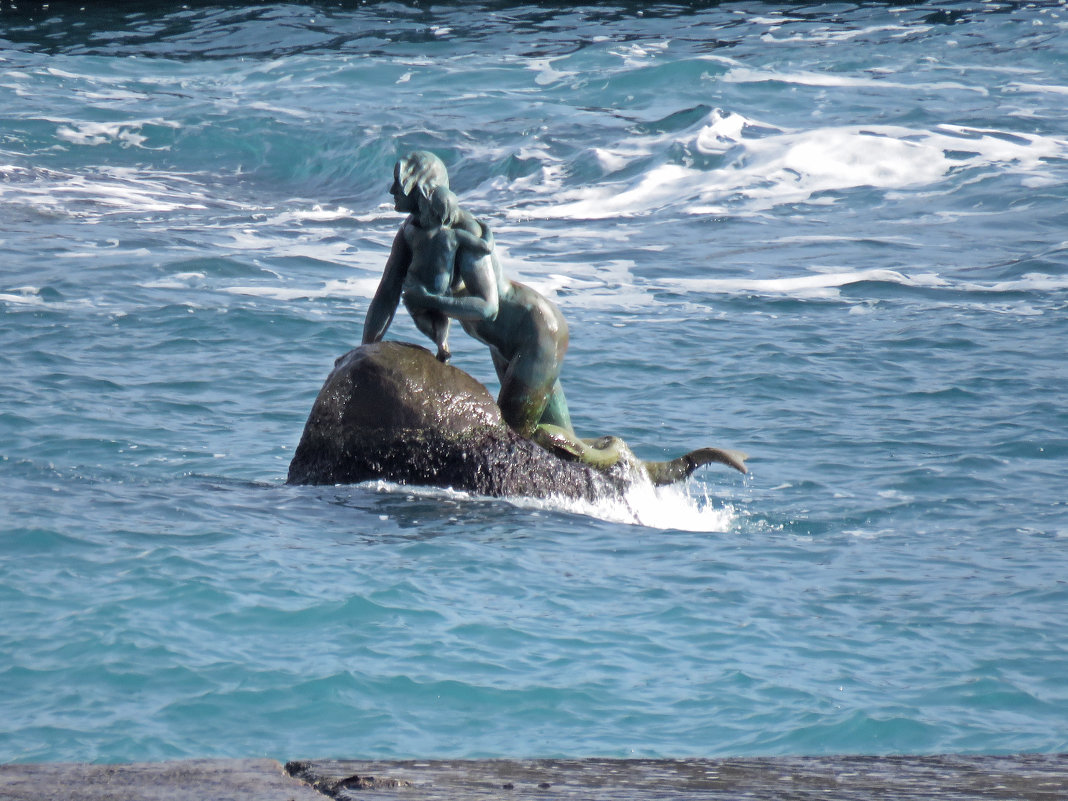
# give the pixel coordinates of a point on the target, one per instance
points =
(476, 244)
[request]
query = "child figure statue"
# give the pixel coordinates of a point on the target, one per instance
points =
(433, 243)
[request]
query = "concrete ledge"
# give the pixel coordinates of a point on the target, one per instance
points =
(1029, 777)
(836, 778)
(189, 780)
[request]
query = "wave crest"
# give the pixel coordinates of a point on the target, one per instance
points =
(728, 162)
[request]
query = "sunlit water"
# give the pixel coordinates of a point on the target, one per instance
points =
(831, 236)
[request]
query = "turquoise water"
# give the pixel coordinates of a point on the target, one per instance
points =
(833, 236)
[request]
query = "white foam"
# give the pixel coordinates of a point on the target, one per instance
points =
(609, 161)
(1039, 88)
(721, 133)
(773, 166)
(758, 20)
(275, 110)
(315, 214)
(58, 73)
(822, 284)
(607, 285)
(827, 283)
(306, 246)
(362, 288)
(127, 133)
(678, 507)
(23, 295)
(1003, 146)
(111, 189)
(830, 79)
(546, 72)
(637, 55)
(682, 507)
(655, 189)
(1031, 282)
(385, 211)
(837, 34)
(176, 281)
(116, 94)
(792, 167)
(868, 534)
(92, 251)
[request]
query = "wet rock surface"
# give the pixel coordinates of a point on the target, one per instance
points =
(342, 787)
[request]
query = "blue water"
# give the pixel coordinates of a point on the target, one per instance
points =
(834, 236)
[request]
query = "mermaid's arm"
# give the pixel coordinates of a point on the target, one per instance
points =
(481, 300)
(387, 296)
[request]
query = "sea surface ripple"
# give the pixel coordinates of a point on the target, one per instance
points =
(830, 235)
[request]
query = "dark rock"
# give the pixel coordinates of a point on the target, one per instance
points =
(345, 787)
(392, 411)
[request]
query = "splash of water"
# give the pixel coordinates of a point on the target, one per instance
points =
(680, 507)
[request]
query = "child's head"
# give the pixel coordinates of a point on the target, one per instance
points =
(441, 207)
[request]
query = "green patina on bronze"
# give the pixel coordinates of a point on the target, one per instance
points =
(525, 332)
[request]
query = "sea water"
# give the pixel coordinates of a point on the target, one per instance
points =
(834, 236)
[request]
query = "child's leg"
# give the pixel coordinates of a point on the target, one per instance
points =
(441, 335)
(425, 321)
(436, 326)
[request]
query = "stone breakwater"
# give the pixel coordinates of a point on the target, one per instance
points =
(1032, 777)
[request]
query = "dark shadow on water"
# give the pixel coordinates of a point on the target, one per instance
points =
(198, 29)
